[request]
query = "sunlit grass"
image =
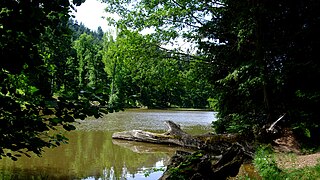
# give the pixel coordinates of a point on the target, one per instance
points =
(267, 167)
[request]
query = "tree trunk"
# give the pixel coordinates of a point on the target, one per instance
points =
(173, 136)
(220, 156)
(216, 143)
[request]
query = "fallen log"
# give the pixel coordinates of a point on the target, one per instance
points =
(271, 129)
(220, 155)
(173, 136)
(268, 133)
(216, 143)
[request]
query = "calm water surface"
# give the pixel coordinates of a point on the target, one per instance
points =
(92, 154)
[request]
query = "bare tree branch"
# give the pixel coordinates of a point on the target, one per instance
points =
(274, 123)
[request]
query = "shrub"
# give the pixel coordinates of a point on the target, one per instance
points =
(265, 163)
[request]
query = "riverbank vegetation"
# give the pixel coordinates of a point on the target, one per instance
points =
(252, 61)
(267, 164)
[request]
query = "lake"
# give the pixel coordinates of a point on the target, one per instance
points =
(93, 154)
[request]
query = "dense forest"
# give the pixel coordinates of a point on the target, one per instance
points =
(133, 70)
(255, 61)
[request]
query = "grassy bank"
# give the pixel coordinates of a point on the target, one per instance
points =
(280, 166)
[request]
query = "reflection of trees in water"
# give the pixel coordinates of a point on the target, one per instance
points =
(89, 154)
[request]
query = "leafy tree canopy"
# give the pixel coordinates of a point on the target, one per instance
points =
(34, 48)
(262, 56)
(141, 71)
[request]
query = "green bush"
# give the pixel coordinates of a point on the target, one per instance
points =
(265, 163)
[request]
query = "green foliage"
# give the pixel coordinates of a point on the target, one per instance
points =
(54, 71)
(262, 60)
(256, 64)
(265, 163)
(29, 122)
(36, 57)
(169, 19)
(259, 84)
(147, 172)
(213, 103)
(90, 65)
(141, 70)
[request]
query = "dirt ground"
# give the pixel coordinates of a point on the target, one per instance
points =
(289, 155)
(284, 160)
(297, 161)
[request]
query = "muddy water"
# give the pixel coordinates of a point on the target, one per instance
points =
(92, 154)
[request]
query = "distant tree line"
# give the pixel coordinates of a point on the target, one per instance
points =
(135, 71)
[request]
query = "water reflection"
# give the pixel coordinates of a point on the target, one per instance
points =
(92, 154)
(140, 147)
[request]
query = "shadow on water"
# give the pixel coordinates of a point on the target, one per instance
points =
(92, 154)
